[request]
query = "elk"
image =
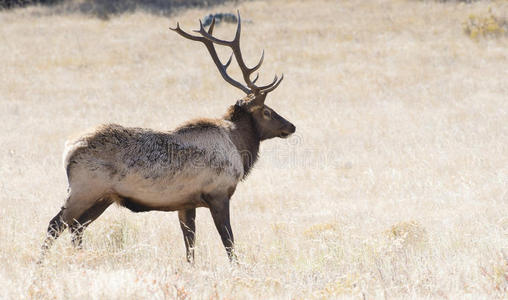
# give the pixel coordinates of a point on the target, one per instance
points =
(199, 164)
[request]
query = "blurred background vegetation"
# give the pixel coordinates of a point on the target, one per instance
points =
(104, 8)
(476, 26)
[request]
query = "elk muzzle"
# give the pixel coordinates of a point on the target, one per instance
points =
(287, 130)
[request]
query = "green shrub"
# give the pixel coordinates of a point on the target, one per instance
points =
(488, 25)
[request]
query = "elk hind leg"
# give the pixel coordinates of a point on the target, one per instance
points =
(91, 214)
(81, 206)
(55, 228)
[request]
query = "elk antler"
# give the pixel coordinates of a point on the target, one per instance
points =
(209, 40)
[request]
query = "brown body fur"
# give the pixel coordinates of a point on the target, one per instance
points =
(143, 169)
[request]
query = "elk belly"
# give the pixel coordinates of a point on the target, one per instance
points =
(180, 191)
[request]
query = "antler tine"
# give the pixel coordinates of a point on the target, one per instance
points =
(259, 63)
(269, 85)
(212, 25)
(255, 79)
(273, 87)
(210, 31)
(226, 65)
(213, 53)
(211, 38)
(185, 34)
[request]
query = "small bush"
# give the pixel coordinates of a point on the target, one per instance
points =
(320, 230)
(488, 25)
(408, 234)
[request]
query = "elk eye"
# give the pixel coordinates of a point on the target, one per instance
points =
(267, 113)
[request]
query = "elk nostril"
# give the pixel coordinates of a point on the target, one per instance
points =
(292, 128)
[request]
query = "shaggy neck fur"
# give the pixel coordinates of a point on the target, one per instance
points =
(245, 136)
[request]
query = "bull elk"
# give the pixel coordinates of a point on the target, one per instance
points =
(198, 164)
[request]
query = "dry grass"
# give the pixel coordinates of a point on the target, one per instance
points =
(395, 186)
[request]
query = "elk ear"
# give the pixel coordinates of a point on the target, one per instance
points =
(248, 101)
(251, 102)
(242, 103)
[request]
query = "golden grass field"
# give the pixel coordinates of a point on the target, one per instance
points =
(394, 186)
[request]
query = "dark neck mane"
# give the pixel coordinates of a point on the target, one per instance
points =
(244, 135)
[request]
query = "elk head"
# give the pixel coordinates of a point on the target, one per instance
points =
(269, 124)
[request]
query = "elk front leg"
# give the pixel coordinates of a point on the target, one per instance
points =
(220, 215)
(188, 224)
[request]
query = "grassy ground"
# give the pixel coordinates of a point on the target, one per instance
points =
(396, 184)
